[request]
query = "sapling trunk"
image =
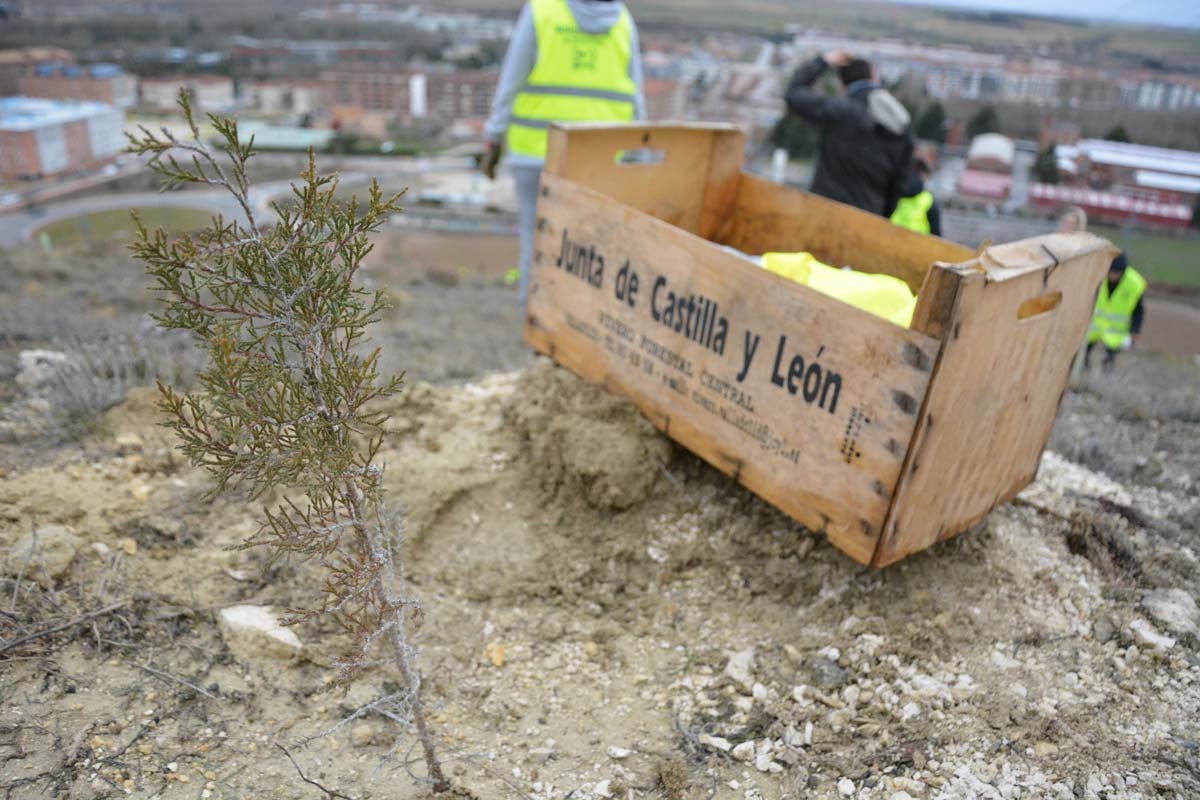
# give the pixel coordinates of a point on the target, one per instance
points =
(286, 400)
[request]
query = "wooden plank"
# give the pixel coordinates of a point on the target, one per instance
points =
(997, 384)
(697, 178)
(768, 217)
(826, 448)
(935, 301)
(722, 182)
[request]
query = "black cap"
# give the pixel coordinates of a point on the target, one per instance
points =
(1118, 264)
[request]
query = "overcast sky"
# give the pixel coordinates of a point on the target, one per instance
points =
(1175, 13)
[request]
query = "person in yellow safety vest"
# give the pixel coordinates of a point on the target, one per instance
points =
(567, 61)
(917, 209)
(1119, 313)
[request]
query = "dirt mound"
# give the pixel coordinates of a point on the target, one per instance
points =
(606, 617)
(586, 443)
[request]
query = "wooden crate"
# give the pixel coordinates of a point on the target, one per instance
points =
(884, 439)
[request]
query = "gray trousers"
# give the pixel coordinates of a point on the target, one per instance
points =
(528, 178)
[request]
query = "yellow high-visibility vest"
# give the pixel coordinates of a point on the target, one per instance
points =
(1112, 321)
(882, 295)
(913, 212)
(578, 77)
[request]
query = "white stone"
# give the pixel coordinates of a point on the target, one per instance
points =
(43, 554)
(744, 751)
(715, 742)
(845, 787)
(740, 668)
(793, 738)
(764, 763)
(910, 711)
(901, 796)
(619, 753)
(602, 788)
(254, 631)
(1174, 609)
(1146, 635)
(760, 693)
(832, 653)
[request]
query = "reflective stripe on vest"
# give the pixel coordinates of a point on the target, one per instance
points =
(1113, 318)
(913, 212)
(578, 77)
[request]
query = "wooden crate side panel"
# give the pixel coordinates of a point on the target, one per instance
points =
(693, 185)
(722, 183)
(997, 385)
(826, 404)
(768, 217)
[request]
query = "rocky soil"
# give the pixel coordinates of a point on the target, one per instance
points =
(605, 615)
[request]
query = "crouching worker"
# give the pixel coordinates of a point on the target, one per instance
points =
(1119, 313)
(567, 61)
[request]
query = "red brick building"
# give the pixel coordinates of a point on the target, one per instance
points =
(100, 83)
(40, 137)
(19, 62)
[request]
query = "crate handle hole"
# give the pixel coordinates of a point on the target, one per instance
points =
(1039, 305)
(640, 156)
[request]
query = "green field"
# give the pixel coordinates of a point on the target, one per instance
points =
(116, 226)
(1161, 258)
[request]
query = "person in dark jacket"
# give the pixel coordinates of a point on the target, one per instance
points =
(865, 147)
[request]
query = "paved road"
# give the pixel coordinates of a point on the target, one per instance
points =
(17, 228)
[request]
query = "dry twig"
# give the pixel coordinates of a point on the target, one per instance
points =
(330, 794)
(70, 624)
(168, 677)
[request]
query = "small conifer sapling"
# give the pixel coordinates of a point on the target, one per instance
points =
(286, 400)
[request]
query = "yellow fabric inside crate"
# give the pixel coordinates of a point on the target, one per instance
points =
(882, 295)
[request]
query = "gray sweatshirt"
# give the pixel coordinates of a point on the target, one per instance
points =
(593, 16)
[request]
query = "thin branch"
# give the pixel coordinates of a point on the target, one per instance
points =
(330, 794)
(168, 677)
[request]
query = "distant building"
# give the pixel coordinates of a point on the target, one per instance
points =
(281, 58)
(101, 83)
(1111, 207)
(462, 94)
(1117, 182)
(40, 137)
(281, 96)
(1155, 174)
(16, 63)
(207, 92)
(410, 95)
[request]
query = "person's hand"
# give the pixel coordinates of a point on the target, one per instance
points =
(838, 58)
(490, 159)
